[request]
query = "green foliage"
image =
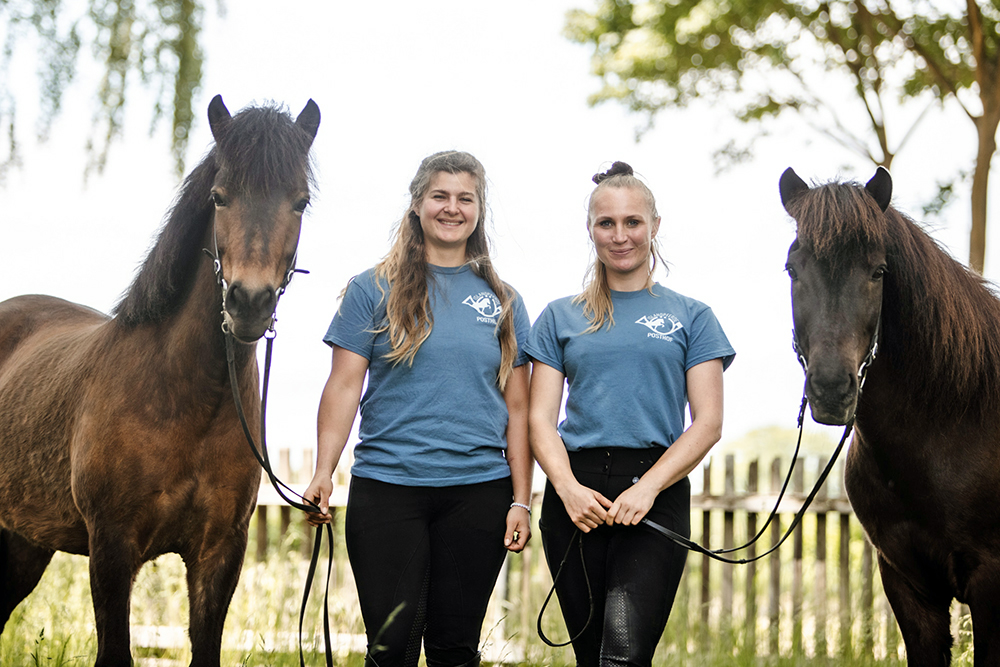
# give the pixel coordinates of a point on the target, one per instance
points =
(761, 56)
(153, 41)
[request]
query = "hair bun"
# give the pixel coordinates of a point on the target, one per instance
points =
(616, 169)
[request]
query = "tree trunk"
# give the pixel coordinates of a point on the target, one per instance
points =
(986, 128)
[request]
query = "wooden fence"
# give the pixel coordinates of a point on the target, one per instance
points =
(816, 595)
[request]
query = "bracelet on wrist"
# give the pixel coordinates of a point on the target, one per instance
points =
(522, 506)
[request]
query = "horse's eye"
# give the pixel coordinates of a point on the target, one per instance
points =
(879, 273)
(218, 200)
(300, 205)
(791, 272)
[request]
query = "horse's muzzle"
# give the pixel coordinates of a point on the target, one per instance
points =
(833, 398)
(248, 313)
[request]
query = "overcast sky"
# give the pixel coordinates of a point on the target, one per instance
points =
(398, 80)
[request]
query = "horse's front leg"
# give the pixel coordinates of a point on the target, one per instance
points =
(924, 622)
(212, 575)
(114, 563)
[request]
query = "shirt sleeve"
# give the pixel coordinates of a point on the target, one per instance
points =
(543, 341)
(353, 326)
(708, 341)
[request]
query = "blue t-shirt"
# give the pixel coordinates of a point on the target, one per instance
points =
(441, 421)
(627, 383)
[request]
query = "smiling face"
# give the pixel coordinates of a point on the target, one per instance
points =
(622, 227)
(449, 214)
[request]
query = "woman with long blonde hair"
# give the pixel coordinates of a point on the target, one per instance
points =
(634, 355)
(441, 481)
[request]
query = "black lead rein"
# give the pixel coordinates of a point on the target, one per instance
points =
(694, 546)
(306, 505)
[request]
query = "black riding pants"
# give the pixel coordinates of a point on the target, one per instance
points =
(428, 557)
(634, 572)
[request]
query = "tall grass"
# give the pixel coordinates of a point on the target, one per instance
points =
(54, 626)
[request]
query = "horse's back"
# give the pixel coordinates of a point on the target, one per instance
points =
(43, 352)
(23, 317)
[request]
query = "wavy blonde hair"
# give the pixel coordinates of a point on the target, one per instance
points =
(596, 295)
(409, 319)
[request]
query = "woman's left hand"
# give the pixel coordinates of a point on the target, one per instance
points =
(632, 504)
(518, 529)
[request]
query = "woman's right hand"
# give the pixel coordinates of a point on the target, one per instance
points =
(587, 508)
(318, 492)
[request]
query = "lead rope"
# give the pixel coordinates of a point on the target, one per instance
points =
(306, 505)
(694, 546)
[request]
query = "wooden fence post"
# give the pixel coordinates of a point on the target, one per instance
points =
(867, 602)
(284, 472)
(728, 542)
(774, 582)
(706, 532)
(750, 625)
(819, 594)
(261, 529)
(846, 648)
(798, 480)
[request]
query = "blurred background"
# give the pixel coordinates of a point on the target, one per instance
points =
(708, 101)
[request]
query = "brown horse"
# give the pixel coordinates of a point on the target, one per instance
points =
(118, 436)
(923, 471)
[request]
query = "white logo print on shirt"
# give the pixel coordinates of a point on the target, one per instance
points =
(486, 304)
(660, 325)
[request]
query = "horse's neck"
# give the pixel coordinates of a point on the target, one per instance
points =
(188, 348)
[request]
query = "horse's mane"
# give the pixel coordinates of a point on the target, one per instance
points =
(260, 150)
(941, 323)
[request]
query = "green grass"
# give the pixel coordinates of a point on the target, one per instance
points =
(54, 627)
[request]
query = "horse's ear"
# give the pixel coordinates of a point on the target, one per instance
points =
(789, 186)
(308, 119)
(218, 115)
(880, 187)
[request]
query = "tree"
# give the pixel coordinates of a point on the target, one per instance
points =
(155, 41)
(764, 55)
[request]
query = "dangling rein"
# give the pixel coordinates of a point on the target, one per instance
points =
(716, 553)
(265, 462)
(694, 546)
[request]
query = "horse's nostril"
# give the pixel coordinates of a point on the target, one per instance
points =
(832, 391)
(241, 302)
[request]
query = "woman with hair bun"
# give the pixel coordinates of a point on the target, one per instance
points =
(441, 480)
(634, 355)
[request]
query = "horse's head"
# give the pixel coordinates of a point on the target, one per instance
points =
(260, 190)
(836, 265)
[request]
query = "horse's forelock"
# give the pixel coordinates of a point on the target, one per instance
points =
(263, 150)
(836, 220)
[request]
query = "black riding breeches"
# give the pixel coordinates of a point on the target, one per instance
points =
(425, 560)
(634, 572)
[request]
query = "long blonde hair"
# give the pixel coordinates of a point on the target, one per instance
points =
(409, 319)
(596, 294)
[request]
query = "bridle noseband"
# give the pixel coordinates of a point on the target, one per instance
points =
(224, 284)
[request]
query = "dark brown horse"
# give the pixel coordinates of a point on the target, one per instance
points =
(923, 470)
(118, 436)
